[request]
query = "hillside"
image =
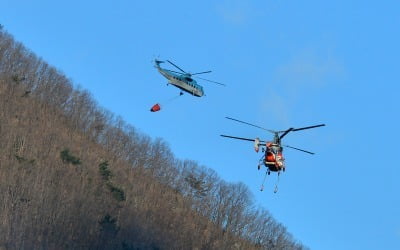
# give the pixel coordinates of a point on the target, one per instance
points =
(75, 176)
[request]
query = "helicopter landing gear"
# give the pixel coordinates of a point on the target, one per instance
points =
(180, 93)
(268, 172)
(260, 163)
(276, 184)
(262, 185)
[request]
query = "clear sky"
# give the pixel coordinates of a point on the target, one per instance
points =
(285, 63)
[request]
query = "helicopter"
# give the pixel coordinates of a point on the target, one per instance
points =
(272, 158)
(183, 80)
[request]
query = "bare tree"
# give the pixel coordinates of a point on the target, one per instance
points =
(54, 143)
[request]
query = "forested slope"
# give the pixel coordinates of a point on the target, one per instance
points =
(73, 176)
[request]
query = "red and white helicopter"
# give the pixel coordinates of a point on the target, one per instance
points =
(273, 150)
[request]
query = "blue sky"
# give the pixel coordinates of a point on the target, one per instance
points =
(285, 63)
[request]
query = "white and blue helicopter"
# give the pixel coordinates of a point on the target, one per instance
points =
(183, 80)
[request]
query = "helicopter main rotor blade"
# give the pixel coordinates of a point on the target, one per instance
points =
(315, 126)
(251, 125)
(240, 138)
(205, 72)
(174, 71)
(285, 133)
(302, 150)
(177, 66)
(209, 80)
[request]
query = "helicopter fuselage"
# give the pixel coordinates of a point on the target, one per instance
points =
(273, 158)
(182, 81)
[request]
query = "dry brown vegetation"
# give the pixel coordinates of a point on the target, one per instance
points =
(73, 176)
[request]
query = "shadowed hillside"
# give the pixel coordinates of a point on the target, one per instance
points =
(74, 176)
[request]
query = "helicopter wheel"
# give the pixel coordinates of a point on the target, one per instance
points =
(258, 167)
(269, 172)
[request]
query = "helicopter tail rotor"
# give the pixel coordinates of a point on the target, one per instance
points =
(157, 63)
